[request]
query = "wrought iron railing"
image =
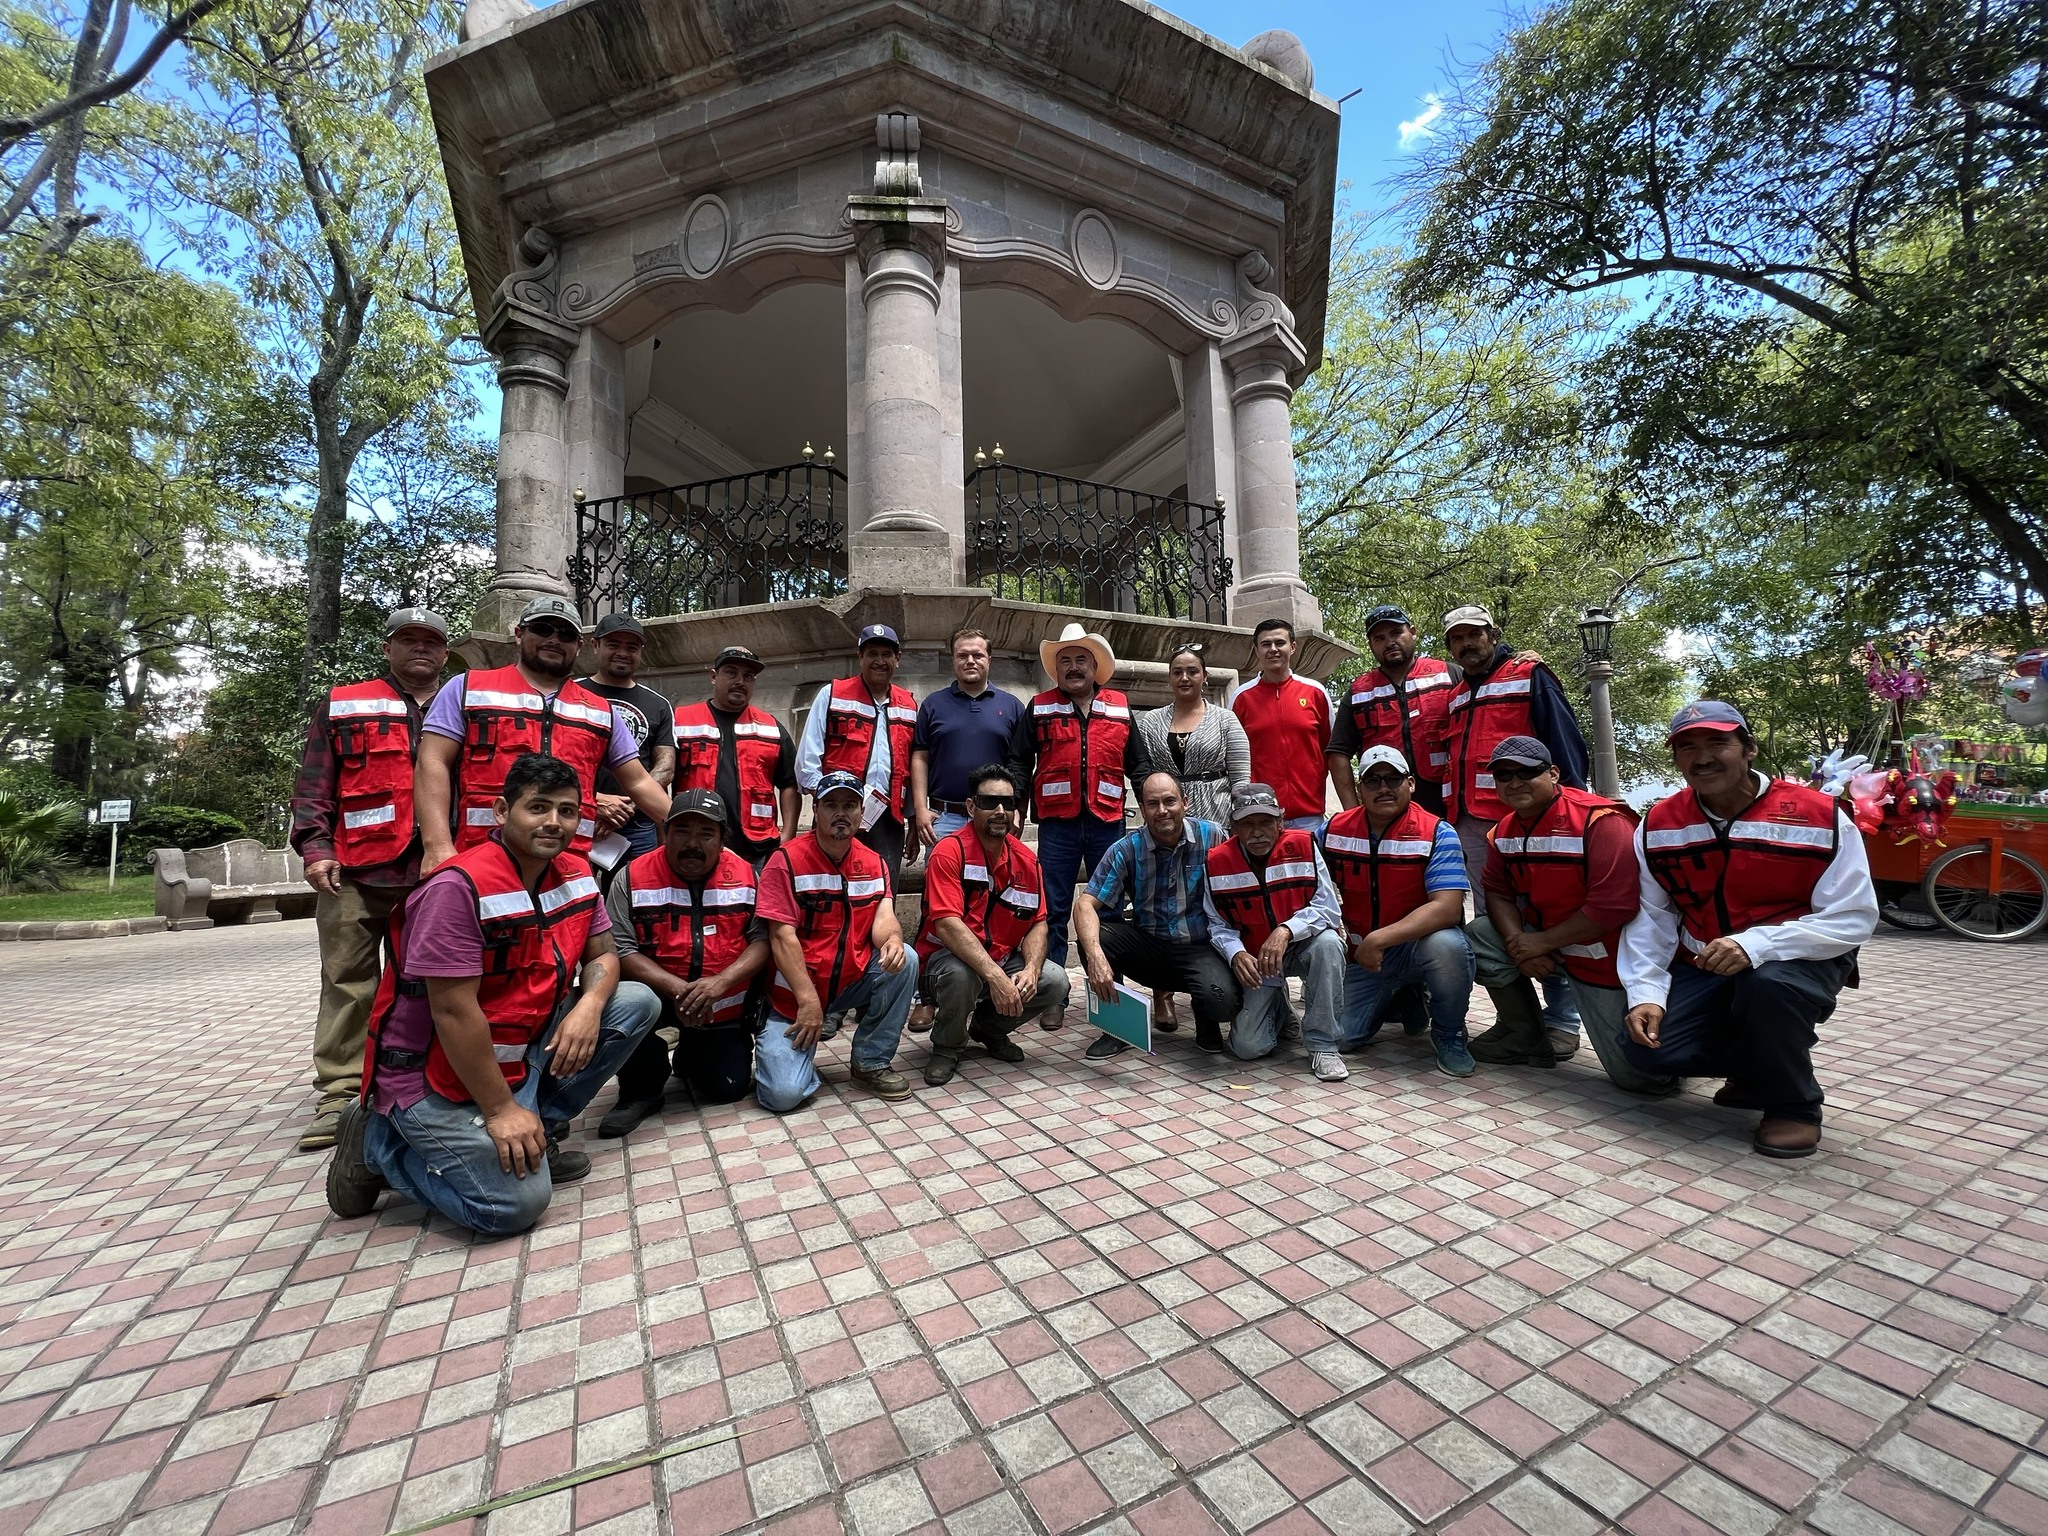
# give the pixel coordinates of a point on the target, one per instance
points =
(763, 537)
(1052, 539)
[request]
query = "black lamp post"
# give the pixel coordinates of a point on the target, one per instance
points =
(1596, 637)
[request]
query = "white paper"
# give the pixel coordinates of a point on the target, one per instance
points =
(1142, 999)
(872, 805)
(606, 852)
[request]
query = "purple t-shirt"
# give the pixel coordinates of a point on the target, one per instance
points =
(444, 718)
(442, 938)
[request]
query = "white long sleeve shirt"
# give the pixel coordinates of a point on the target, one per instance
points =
(1323, 911)
(1844, 915)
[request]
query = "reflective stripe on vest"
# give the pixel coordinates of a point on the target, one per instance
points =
(694, 932)
(1408, 716)
(1547, 869)
(1760, 871)
(1255, 901)
(1071, 753)
(1379, 882)
(1477, 721)
(504, 718)
(836, 916)
(369, 729)
(852, 739)
(757, 751)
(999, 920)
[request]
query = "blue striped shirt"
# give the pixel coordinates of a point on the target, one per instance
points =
(1446, 870)
(1162, 885)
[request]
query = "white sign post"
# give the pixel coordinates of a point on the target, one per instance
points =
(112, 814)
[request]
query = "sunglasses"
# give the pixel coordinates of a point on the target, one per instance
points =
(1385, 780)
(997, 802)
(549, 629)
(1517, 775)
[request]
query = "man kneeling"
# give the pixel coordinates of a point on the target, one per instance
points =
(480, 1052)
(1273, 914)
(981, 947)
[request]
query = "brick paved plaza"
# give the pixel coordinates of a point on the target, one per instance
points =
(1169, 1297)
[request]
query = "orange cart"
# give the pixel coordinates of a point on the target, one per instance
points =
(1987, 879)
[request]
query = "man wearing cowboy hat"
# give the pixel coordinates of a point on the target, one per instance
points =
(1069, 748)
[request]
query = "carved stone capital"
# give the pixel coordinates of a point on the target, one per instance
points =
(532, 346)
(1262, 360)
(916, 224)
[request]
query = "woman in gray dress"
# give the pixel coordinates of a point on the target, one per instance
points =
(1201, 742)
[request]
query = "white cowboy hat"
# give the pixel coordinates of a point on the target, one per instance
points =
(1073, 635)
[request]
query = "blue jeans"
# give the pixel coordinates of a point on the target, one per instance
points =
(1320, 964)
(1441, 961)
(1068, 851)
(437, 1153)
(785, 1077)
(951, 822)
(641, 835)
(1312, 825)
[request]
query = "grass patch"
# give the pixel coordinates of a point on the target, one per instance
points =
(86, 900)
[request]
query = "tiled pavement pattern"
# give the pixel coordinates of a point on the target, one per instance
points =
(1168, 1298)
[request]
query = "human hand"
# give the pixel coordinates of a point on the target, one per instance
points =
(1101, 979)
(575, 1039)
(521, 1140)
(433, 856)
(1026, 983)
(1644, 1022)
(809, 1023)
(614, 811)
(324, 875)
(1003, 993)
(1368, 952)
(1244, 965)
(891, 955)
(1526, 946)
(1537, 967)
(1273, 953)
(1723, 957)
(694, 1001)
(927, 823)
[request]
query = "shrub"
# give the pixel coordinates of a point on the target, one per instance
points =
(182, 826)
(29, 831)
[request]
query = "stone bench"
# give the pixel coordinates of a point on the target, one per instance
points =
(239, 881)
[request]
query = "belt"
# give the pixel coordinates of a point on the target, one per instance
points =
(400, 1061)
(947, 807)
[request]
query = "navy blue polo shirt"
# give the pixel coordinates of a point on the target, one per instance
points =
(963, 734)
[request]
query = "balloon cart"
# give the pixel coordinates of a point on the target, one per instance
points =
(1948, 847)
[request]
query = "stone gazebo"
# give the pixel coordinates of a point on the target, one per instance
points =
(816, 313)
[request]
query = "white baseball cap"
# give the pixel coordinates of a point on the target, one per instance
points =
(1471, 614)
(1391, 756)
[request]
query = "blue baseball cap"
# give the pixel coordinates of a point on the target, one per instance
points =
(877, 633)
(838, 779)
(1387, 613)
(1707, 715)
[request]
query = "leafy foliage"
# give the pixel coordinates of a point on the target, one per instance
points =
(30, 859)
(184, 826)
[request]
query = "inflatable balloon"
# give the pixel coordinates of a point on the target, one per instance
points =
(1831, 774)
(1920, 807)
(2024, 698)
(1870, 797)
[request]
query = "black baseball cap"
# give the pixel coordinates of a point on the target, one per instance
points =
(619, 623)
(697, 802)
(736, 653)
(1526, 751)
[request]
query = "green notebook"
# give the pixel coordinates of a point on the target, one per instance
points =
(1128, 1019)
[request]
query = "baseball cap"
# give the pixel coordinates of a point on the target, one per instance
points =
(414, 618)
(1707, 715)
(1525, 750)
(738, 653)
(550, 607)
(874, 633)
(1471, 613)
(1253, 800)
(1387, 613)
(1391, 756)
(838, 779)
(697, 802)
(619, 623)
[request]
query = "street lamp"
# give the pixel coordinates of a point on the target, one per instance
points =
(1596, 637)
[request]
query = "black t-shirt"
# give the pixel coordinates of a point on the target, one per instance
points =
(728, 785)
(649, 716)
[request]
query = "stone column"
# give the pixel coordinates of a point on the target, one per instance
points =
(1262, 359)
(910, 533)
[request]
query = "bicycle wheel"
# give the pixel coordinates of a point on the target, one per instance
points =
(1960, 892)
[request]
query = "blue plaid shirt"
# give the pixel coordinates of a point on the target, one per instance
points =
(1162, 885)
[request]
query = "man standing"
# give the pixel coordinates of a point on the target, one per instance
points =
(1499, 694)
(480, 1051)
(1401, 704)
(647, 715)
(1288, 721)
(483, 722)
(964, 726)
(1400, 878)
(1755, 897)
(1159, 871)
(837, 949)
(743, 756)
(981, 944)
(862, 725)
(682, 917)
(1070, 749)
(352, 823)
(1273, 914)
(1560, 885)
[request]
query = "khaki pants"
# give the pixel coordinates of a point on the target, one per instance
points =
(352, 927)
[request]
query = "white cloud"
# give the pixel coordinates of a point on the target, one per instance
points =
(1423, 124)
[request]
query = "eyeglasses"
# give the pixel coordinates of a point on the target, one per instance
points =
(1517, 775)
(1385, 780)
(997, 802)
(548, 629)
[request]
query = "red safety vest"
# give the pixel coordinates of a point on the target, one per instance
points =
(757, 748)
(1079, 769)
(1547, 870)
(850, 736)
(694, 931)
(370, 728)
(533, 945)
(1407, 716)
(836, 926)
(1000, 918)
(1256, 900)
(504, 717)
(1379, 880)
(1759, 870)
(1475, 723)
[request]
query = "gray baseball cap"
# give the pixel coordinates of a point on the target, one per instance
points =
(414, 618)
(1253, 800)
(550, 607)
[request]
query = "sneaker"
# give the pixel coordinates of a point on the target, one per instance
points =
(1105, 1046)
(324, 1128)
(565, 1164)
(1564, 1043)
(882, 1082)
(352, 1184)
(1328, 1067)
(624, 1117)
(1453, 1059)
(939, 1070)
(998, 1044)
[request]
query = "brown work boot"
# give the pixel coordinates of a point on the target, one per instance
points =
(324, 1127)
(1777, 1136)
(1519, 1039)
(1564, 1043)
(883, 1082)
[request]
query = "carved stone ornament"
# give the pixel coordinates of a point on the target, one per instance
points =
(1261, 306)
(896, 172)
(533, 285)
(707, 235)
(1097, 254)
